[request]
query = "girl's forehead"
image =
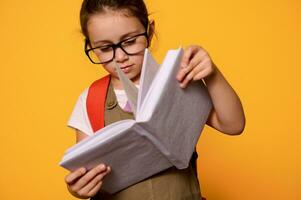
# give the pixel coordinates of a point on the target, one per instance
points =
(112, 25)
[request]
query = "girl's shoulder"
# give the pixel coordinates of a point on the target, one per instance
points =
(79, 118)
(83, 95)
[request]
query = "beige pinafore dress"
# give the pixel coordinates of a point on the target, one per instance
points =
(171, 184)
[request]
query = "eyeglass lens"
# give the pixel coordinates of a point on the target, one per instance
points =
(130, 46)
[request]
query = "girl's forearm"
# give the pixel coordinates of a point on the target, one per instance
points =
(227, 115)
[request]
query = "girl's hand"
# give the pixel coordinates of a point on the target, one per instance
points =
(196, 64)
(85, 184)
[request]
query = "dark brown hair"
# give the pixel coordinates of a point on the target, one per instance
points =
(136, 8)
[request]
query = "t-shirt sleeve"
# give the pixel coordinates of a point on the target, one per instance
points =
(79, 117)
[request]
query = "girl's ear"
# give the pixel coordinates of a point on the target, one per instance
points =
(151, 29)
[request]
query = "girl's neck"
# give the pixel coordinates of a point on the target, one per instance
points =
(118, 85)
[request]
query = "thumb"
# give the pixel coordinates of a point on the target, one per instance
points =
(186, 57)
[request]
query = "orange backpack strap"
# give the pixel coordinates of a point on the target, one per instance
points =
(96, 102)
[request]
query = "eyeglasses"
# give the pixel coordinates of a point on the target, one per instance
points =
(106, 53)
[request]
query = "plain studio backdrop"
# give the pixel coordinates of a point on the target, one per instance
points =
(256, 44)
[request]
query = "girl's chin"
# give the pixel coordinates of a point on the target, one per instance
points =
(133, 77)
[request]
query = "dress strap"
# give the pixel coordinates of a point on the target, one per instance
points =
(96, 102)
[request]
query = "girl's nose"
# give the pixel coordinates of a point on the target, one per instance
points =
(120, 55)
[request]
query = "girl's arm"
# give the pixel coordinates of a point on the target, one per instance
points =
(227, 114)
(80, 136)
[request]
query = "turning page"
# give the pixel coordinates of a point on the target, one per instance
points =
(131, 90)
(148, 72)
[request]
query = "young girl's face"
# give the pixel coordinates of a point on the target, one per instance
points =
(111, 27)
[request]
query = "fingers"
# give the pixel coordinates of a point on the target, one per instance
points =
(93, 186)
(70, 178)
(192, 56)
(202, 74)
(94, 190)
(87, 184)
(188, 53)
(191, 76)
(199, 65)
(185, 70)
(88, 177)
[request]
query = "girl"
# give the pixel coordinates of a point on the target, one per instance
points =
(119, 31)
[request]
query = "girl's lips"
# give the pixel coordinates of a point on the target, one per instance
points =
(126, 69)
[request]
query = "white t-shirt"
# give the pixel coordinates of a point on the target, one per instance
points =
(121, 97)
(79, 118)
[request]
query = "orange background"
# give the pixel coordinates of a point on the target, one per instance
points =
(256, 44)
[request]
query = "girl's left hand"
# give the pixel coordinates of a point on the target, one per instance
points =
(196, 64)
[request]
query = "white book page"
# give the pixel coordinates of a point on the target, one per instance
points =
(148, 72)
(99, 137)
(157, 87)
(175, 116)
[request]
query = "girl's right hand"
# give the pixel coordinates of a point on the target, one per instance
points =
(85, 184)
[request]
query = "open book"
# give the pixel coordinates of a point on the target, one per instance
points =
(168, 122)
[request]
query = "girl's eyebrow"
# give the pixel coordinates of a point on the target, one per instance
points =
(121, 38)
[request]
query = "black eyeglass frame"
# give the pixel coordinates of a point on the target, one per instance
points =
(115, 46)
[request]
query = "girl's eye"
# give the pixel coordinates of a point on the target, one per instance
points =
(105, 49)
(129, 42)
